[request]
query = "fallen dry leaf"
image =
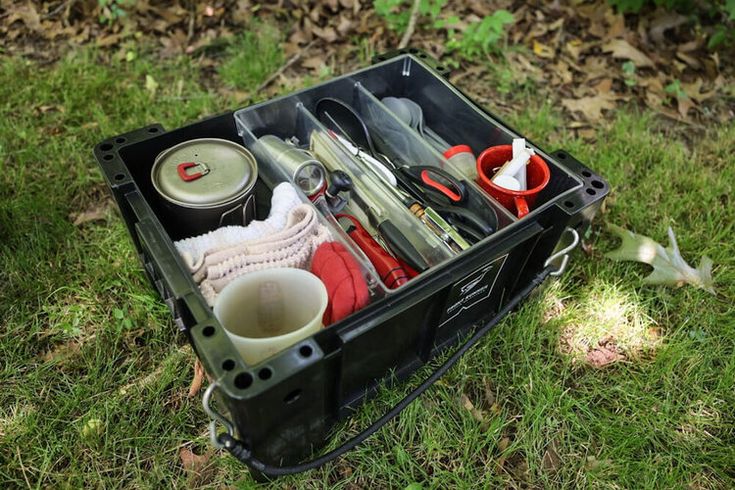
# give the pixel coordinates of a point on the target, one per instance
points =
(28, 15)
(315, 63)
(574, 48)
(329, 34)
(591, 107)
(502, 446)
(476, 413)
(664, 22)
(602, 356)
(551, 460)
(691, 61)
(542, 50)
(669, 267)
(196, 382)
(694, 90)
(620, 48)
(193, 463)
(683, 104)
(96, 212)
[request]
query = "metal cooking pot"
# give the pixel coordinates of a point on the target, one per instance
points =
(208, 182)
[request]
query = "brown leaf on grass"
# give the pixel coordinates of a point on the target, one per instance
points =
(694, 91)
(96, 212)
(574, 48)
(617, 25)
(561, 74)
(620, 48)
(329, 34)
(192, 463)
(603, 355)
(315, 63)
(543, 51)
(344, 26)
(683, 104)
(490, 398)
(28, 15)
(196, 382)
(691, 61)
(591, 107)
(664, 22)
(595, 67)
(62, 352)
(467, 404)
(551, 460)
(502, 446)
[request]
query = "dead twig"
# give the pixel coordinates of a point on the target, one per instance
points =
(411, 25)
(293, 59)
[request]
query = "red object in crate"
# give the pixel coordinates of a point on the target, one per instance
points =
(519, 202)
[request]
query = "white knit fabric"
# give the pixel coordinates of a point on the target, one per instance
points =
(293, 246)
(194, 249)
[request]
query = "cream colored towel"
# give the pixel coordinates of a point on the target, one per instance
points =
(293, 246)
(193, 249)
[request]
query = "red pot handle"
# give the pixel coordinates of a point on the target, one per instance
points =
(187, 177)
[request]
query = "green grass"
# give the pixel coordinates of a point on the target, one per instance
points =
(108, 408)
(253, 57)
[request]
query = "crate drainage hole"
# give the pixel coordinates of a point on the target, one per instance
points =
(208, 331)
(152, 130)
(243, 381)
(597, 184)
(120, 141)
(108, 157)
(586, 173)
(120, 177)
(561, 155)
(292, 397)
(106, 147)
(265, 373)
(228, 365)
(305, 350)
(591, 192)
(569, 204)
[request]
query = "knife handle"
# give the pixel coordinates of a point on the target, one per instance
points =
(400, 245)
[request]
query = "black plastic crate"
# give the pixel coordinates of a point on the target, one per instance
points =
(283, 408)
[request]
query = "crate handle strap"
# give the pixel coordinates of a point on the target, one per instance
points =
(243, 453)
(563, 253)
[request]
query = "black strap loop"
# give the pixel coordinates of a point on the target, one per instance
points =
(238, 450)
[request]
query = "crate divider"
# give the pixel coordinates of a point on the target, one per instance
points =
(273, 174)
(412, 149)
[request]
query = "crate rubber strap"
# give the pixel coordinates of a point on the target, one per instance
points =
(245, 455)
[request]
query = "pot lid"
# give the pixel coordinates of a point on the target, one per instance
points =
(204, 172)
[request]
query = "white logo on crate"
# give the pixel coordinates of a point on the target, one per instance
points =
(469, 295)
(471, 285)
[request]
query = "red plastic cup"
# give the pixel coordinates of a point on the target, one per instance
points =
(518, 202)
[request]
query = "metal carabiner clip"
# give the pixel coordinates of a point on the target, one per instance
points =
(215, 417)
(563, 253)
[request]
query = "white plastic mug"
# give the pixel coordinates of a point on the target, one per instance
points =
(263, 312)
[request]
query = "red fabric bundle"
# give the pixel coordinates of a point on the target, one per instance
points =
(341, 274)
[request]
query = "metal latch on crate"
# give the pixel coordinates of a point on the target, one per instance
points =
(215, 416)
(563, 253)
